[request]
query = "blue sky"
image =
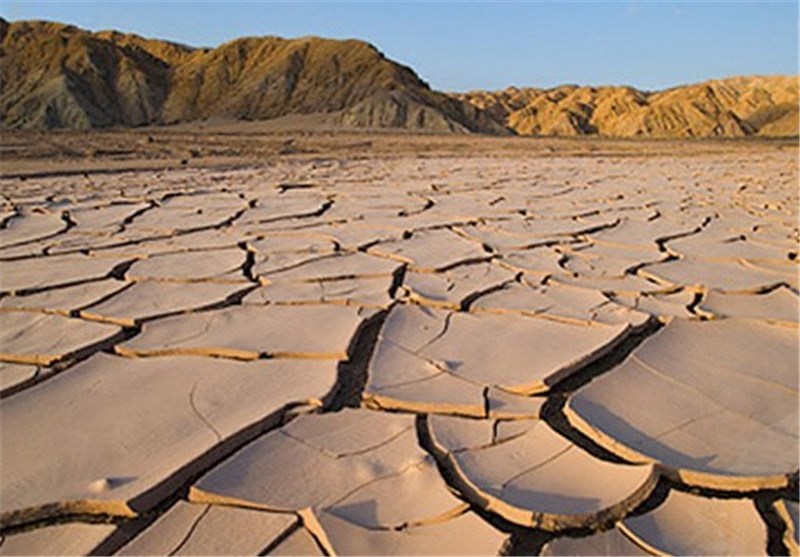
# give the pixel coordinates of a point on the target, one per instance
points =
(458, 46)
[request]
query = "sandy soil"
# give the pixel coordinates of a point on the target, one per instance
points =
(225, 144)
(371, 344)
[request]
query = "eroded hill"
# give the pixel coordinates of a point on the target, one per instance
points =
(60, 76)
(734, 107)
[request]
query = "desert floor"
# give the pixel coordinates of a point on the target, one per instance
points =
(241, 341)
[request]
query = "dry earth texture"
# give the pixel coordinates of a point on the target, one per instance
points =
(58, 76)
(497, 346)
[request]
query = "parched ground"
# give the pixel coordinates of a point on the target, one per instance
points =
(473, 348)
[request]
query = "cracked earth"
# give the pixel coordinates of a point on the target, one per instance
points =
(398, 355)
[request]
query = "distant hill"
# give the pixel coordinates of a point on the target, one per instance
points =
(734, 107)
(59, 76)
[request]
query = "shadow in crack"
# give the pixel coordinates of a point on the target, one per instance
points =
(553, 409)
(353, 373)
(364, 513)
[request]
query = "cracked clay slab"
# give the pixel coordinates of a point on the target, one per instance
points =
(64, 300)
(558, 302)
(190, 529)
(539, 479)
(521, 355)
(13, 375)
(400, 379)
(207, 265)
(432, 250)
(780, 306)
(715, 403)
(24, 228)
(171, 412)
(73, 538)
(166, 220)
(456, 287)
(371, 293)
(247, 332)
(686, 524)
(339, 461)
(52, 271)
(148, 299)
(414, 497)
(610, 542)
(42, 339)
(304, 267)
(465, 534)
(732, 277)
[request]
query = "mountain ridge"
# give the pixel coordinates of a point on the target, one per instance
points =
(59, 76)
(54, 75)
(736, 106)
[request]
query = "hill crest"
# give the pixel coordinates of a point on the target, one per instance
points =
(54, 75)
(732, 107)
(59, 76)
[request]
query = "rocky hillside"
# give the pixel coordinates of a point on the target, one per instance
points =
(59, 76)
(735, 107)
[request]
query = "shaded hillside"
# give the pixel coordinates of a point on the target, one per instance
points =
(59, 76)
(734, 107)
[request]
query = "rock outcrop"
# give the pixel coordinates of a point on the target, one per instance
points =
(734, 107)
(60, 76)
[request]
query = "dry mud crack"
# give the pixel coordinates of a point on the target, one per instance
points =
(415, 356)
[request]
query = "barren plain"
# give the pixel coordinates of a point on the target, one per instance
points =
(236, 341)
